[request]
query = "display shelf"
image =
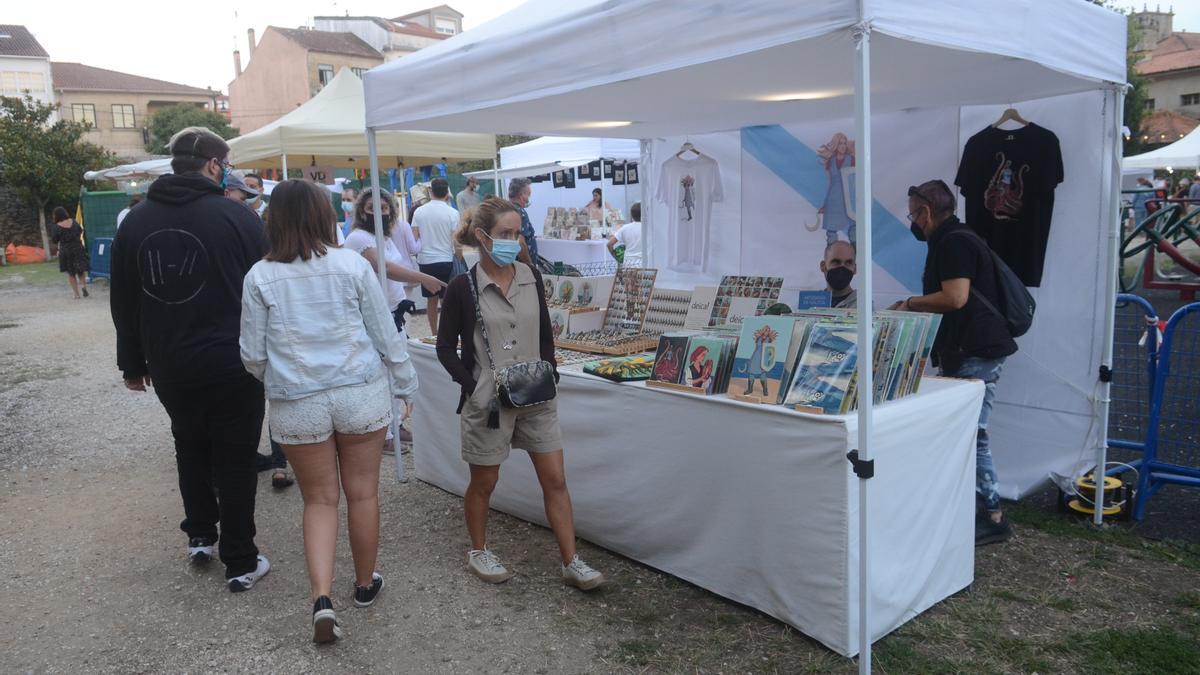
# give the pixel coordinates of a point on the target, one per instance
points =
(752, 398)
(671, 386)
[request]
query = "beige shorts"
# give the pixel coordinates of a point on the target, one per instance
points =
(534, 429)
(356, 409)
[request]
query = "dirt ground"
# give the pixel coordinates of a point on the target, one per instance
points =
(96, 581)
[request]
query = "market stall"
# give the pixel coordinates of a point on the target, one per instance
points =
(920, 78)
(1183, 153)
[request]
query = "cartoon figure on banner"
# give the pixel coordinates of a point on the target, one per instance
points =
(762, 360)
(837, 211)
(1005, 195)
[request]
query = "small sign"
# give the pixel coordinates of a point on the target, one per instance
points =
(814, 299)
(319, 174)
(701, 308)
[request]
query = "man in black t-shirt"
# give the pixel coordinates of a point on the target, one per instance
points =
(973, 340)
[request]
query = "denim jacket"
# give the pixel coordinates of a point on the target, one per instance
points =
(309, 326)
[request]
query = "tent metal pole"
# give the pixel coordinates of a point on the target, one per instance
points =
(380, 265)
(866, 387)
(284, 156)
(647, 226)
(1116, 95)
(496, 178)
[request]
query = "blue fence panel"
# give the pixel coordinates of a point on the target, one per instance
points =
(101, 258)
(1135, 350)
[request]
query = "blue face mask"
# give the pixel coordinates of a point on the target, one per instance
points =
(504, 251)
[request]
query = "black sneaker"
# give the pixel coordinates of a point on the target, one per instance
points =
(325, 624)
(200, 550)
(246, 581)
(988, 531)
(364, 596)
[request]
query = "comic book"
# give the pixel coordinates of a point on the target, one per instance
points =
(703, 362)
(826, 368)
(760, 364)
(669, 362)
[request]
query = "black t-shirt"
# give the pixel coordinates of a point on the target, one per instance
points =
(973, 330)
(1008, 179)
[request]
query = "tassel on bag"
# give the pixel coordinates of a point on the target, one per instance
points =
(493, 421)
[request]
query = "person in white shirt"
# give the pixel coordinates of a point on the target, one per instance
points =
(630, 236)
(408, 246)
(255, 182)
(433, 225)
(133, 201)
(315, 329)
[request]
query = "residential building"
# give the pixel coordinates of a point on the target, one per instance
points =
(391, 37)
(442, 19)
(1171, 65)
(287, 67)
(118, 106)
(222, 103)
(24, 65)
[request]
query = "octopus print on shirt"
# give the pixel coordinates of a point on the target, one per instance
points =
(1008, 178)
(689, 187)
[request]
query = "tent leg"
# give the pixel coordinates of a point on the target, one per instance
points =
(285, 175)
(496, 178)
(862, 123)
(1116, 95)
(380, 246)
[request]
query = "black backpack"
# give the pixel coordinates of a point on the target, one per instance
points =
(1016, 305)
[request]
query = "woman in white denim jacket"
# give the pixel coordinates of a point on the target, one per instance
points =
(316, 329)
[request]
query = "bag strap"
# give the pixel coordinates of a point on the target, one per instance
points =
(974, 291)
(479, 317)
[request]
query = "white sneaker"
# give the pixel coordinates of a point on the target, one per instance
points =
(247, 581)
(581, 576)
(485, 565)
(200, 551)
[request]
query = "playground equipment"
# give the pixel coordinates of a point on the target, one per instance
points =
(1174, 223)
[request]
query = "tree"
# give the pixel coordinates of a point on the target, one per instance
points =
(167, 122)
(1135, 96)
(44, 162)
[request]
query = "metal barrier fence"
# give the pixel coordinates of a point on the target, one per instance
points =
(1135, 353)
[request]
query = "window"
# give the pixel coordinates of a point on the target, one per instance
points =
(222, 105)
(1149, 104)
(84, 112)
(122, 116)
(360, 71)
(17, 83)
(324, 73)
(1189, 99)
(445, 26)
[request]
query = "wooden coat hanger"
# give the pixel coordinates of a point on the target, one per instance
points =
(1010, 115)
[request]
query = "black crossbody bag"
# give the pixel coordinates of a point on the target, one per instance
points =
(520, 385)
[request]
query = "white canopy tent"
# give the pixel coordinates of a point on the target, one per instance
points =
(1183, 153)
(149, 168)
(327, 130)
(725, 66)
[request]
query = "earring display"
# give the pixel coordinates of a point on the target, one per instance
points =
(668, 310)
(629, 300)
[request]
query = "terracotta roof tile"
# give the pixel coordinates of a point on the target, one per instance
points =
(330, 42)
(1177, 51)
(79, 77)
(1167, 126)
(18, 41)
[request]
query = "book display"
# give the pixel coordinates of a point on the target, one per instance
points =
(698, 362)
(572, 224)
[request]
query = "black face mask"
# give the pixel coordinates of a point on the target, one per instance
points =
(839, 278)
(917, 232)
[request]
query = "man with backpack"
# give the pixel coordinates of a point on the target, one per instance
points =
(981, 311)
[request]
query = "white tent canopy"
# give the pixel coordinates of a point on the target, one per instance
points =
(554, 153)
(651, 69)
(149, 168)
(1184, 152)
(328, 130)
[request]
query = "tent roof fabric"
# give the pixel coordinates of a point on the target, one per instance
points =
(78, 77)
(18, 41)
(1182, 153)
(329, 42)
(649, 81)
(328, 130)
(571, 151)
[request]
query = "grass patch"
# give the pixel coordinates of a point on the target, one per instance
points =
(1119, 652)
(638, 653)
(36, 274)
(1179, 552)
(1063, 604)
(1190, 600)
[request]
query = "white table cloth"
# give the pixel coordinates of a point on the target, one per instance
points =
(755, 503)
(574, 252)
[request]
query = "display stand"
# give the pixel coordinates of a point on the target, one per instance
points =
(672, 386)
(753, 398)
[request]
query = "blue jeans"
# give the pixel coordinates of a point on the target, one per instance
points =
(988, 370)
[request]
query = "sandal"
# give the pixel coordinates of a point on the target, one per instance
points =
(280, 480)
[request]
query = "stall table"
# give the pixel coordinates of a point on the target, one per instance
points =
(754, 503)
(574, 252)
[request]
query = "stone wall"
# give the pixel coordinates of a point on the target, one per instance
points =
(18, 221)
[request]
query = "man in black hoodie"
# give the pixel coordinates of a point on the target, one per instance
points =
(177, 269)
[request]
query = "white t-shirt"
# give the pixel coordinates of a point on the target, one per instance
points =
(689, 187)
(121, 216)
(361, 240)
(630, 234)
(435, 222)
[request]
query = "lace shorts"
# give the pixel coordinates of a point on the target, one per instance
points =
(357, 409)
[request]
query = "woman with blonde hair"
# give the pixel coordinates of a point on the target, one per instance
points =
(316, 329)
(497, 311)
